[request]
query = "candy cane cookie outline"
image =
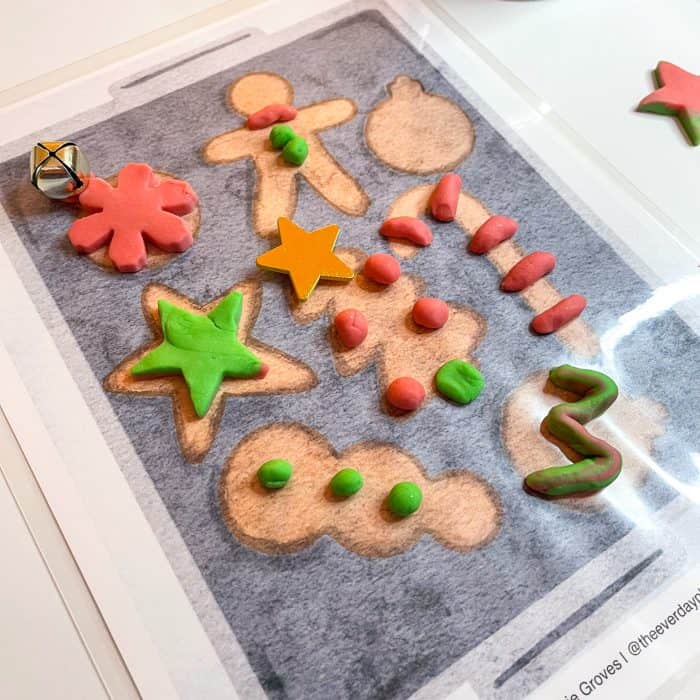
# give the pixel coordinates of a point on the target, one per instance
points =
(601, 463)
(541, 296)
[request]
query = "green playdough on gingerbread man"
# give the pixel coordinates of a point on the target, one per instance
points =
(204, 349)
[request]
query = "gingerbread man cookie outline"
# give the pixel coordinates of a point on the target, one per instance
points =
(276, 181)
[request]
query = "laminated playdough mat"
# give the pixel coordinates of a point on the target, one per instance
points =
(302, 595)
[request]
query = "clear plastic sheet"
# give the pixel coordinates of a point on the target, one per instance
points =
(566, 597)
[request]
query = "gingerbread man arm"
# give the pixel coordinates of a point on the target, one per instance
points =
(324, 115)
(232, 146)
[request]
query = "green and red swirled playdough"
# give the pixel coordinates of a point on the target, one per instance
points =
(602, 463)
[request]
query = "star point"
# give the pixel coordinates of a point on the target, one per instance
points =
(678, 95)
(306, 256)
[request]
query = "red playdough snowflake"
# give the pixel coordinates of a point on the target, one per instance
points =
(140, 207)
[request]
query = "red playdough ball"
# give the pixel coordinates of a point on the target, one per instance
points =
(430, 312)
(351, 327)
(382, 268)
(405, 393)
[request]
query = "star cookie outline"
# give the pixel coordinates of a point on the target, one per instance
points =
(196, 435)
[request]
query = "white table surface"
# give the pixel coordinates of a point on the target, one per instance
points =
(58, 647)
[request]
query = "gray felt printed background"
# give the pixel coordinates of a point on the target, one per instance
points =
(326, 623)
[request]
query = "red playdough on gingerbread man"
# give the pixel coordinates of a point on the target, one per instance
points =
(141, 208)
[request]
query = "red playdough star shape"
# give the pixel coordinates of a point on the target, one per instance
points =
(678, 96)
(140, 207)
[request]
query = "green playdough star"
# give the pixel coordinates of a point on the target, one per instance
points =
(204, 349)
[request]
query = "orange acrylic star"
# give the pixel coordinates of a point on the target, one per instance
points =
(678, 96)
(306, 256)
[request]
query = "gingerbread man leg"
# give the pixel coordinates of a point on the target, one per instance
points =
(275, 196)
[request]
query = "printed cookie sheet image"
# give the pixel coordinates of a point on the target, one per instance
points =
(332, 597)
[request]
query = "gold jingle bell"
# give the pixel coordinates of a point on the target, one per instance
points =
(57, 169)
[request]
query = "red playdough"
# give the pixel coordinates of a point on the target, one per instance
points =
(271, 115)
(264, 369)
(408, 228)
(140, 207)
(493, 231)
(445, 197)
(527, 271)
(555, 317)
(351, 327)
(405, 393)
(382, 268)
(430, 312)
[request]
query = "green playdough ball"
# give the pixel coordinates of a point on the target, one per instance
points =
(275, 474)
(405, 498)
(346, 483)
(459, 381)
(280, 135)
(296, 150)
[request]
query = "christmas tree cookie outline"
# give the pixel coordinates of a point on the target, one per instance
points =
(460, 510)
(195, 435)
(395, 345)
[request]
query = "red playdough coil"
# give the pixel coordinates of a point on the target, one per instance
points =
(351, 327)
(430, 312)
(555, 317)
(271, 115)
(408, 228)
(405, 393)
(493, 231)
(527, 271)
(445, 197)
(382, 268)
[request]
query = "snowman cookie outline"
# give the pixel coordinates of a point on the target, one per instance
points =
(276, 181)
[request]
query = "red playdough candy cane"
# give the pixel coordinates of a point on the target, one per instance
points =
(445, 197)
(527, 271)
(271, 115)
(555, 317)
(493, 231)
(408, 228)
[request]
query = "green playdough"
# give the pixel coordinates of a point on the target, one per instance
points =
(204, 349)
(346, 483)
(459, 381)
(296, 150)
(405, 498)
(275, 474)
(280, 135)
